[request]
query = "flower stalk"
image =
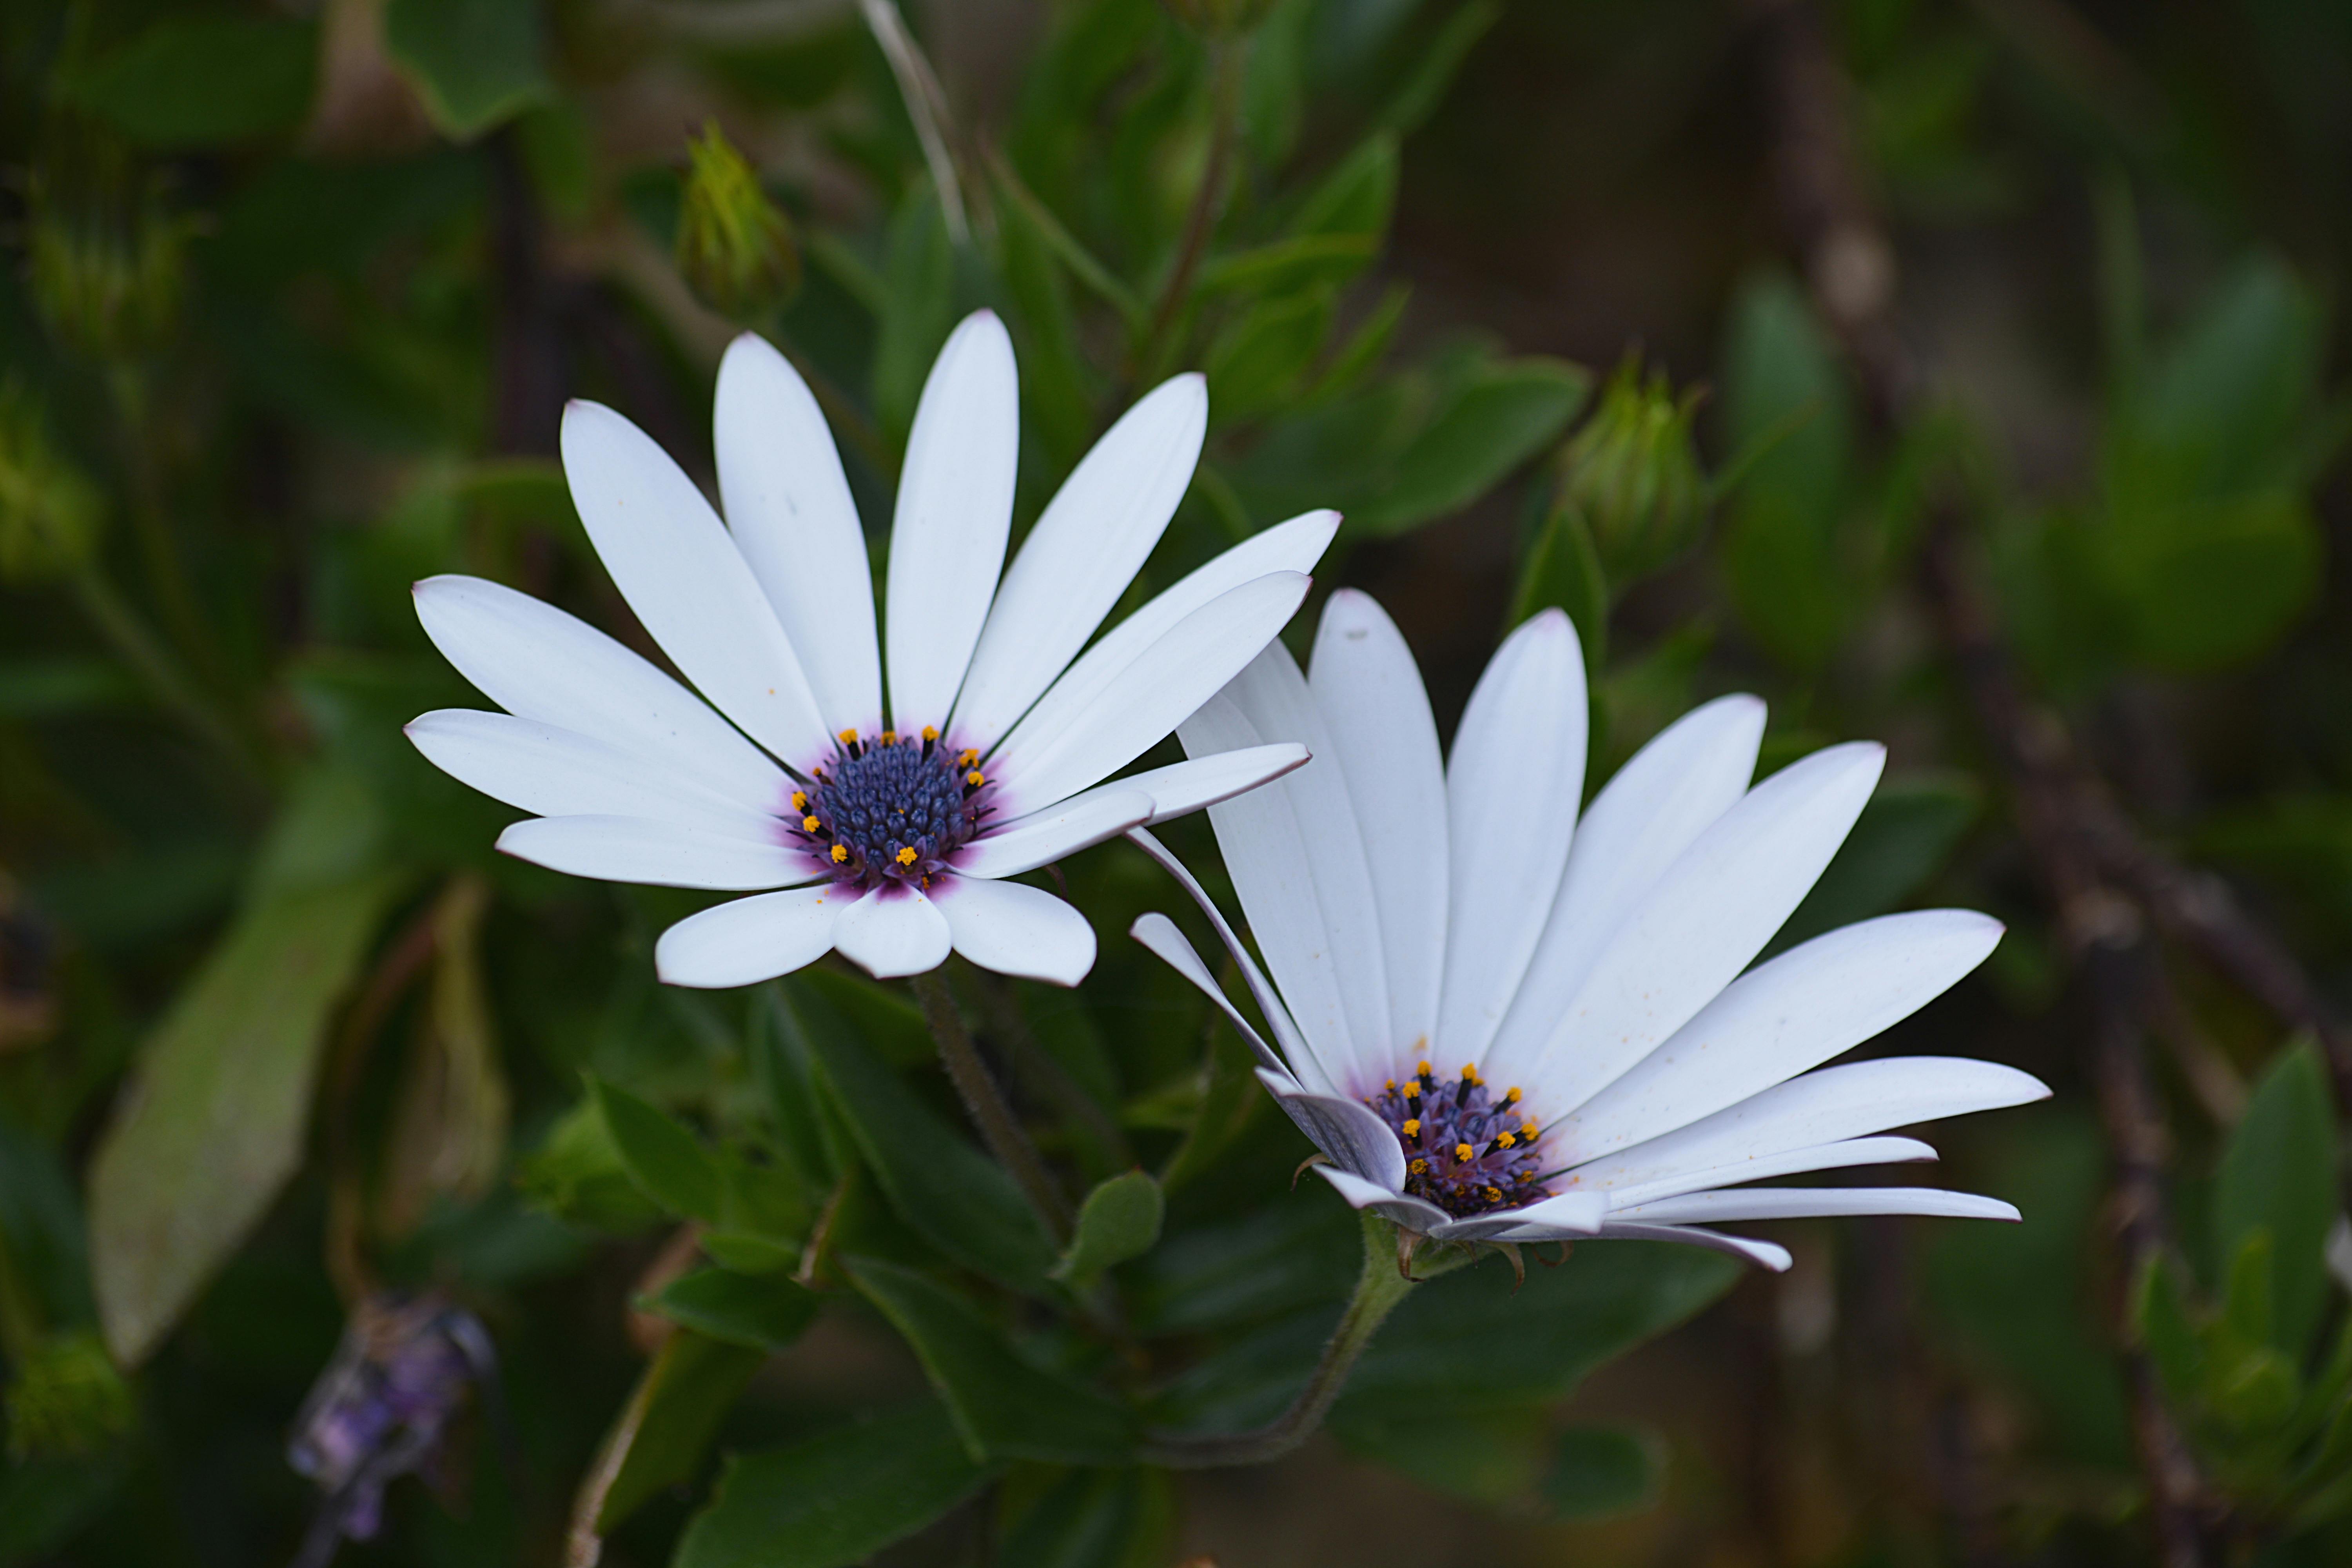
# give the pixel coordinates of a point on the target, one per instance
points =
(1385, 1280)
(986, 1104)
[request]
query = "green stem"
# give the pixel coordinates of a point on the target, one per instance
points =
(1208, 202)
(145, 653)
(1383, 1283)
(985, 1102)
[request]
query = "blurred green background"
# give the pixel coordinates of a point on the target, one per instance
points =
(1760, 336)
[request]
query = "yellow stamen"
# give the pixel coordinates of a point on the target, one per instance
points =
(1507, 1140)
(1470, 1074)
(800, 800)
(1419, 1167)
(1424, 1069)
(1463, 1152)
(1412, 1127)
(1529, 1131)
(1412, 1088)
(1493, 1195)
(1391, 1083)
(968, 758)
(1513, 1097)
(930, 732)
(840, 853)
(848, 737)
(810, 825)
(889, 737)
(975, 778)
(907, 856)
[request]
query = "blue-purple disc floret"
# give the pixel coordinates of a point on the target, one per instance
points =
(891, 809)
(1466, 1149)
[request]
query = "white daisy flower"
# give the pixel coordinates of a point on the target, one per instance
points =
(1500, 1023)
(890, 817)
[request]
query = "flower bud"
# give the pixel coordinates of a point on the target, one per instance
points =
(67, 1399)
(107, 261)
(1634, 475)
(734, 246)
(50, 513)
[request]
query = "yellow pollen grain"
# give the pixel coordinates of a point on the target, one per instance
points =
(848, 737)
(930, 732)
(1507, 1140)
(1424, 1069)
(889, 737)
(1419, 1167)
(1412, 1127)
(907, 856)
(1513, 1097)
(1470, 1074)
(810, 825)
(1529, 1131)
(1463, 1152)
(840, 853)
(800, 800)
(1412, 1088)
(1493, 1195)
(975, 778)
(968, 758)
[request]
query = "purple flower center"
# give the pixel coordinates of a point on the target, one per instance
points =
(891, 809)
(1465, 1150)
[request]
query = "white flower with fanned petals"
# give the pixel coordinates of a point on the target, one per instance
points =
(1500, 1023)
(889, 817)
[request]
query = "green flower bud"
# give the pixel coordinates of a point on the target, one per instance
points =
(49, 513)
(107, 261)
(734, 246)
(67, 1399)
(1634, 475)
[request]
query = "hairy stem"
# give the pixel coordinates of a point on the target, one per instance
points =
(986, 1104)
(1383, 1283)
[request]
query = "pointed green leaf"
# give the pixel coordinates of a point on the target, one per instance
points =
(1562, 570)
(203, 81)
(2278, 1172)
(660, 1435)
(835, 1499)
(213, 1122)
(1004, 1406)
(2160, 1317)
(1503, 416)
(1598, 1471)
(476, 63)
(1120, 1220)
(668, 1164)
(1097, 1519)
(766, 1314)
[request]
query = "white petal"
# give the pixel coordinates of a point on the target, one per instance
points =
(1805, 1203)
(1273, 698)
(893, 931)
(1181, 788)
(1776, 1258)
(751, 939)
(1828, 1105)
(1688, 775)
(1270, 1005)
(1265, 851)
(661, 854)
(1016, 929)
(1787, 1017)
(538, 662)
(1136, 709)
(1790, 1163)
(1413, 1214)
(1348, 1131)
(1086, 547)
(788, 505)
(1713, 911)
(554, 771)
(1047, 835)
(1512, 790)
(1384, 742)
(1564, 1217)
(955, 512)
(1159, 934)
(1292, 546)
(678, 566)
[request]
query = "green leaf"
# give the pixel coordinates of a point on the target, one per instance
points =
(1097, 1519)
(1288, 1255)
(765, 1314)
(203, 81)
(476, 63)
(576, 1174)
(1562, 570)
(2278, 1174)
(949, 1192)
(1310, 261)
(1434, 66)
(836, 1499)
(1904, 836)
(1005, 1407)
(917, 311)
(1505, 414)
(747, 1254)
(667, 1163)
(213, 1122)
(45, 1503)
(1600, 1471)
(1489, 1456)
(2202, 584)
(1261, 356)
(2160, 1317)
(661, 1433)
(1120, 1220)
(1356, 198)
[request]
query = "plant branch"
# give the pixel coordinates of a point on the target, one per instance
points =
(984, 1101)
(927, 106)
(1381, 1284)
